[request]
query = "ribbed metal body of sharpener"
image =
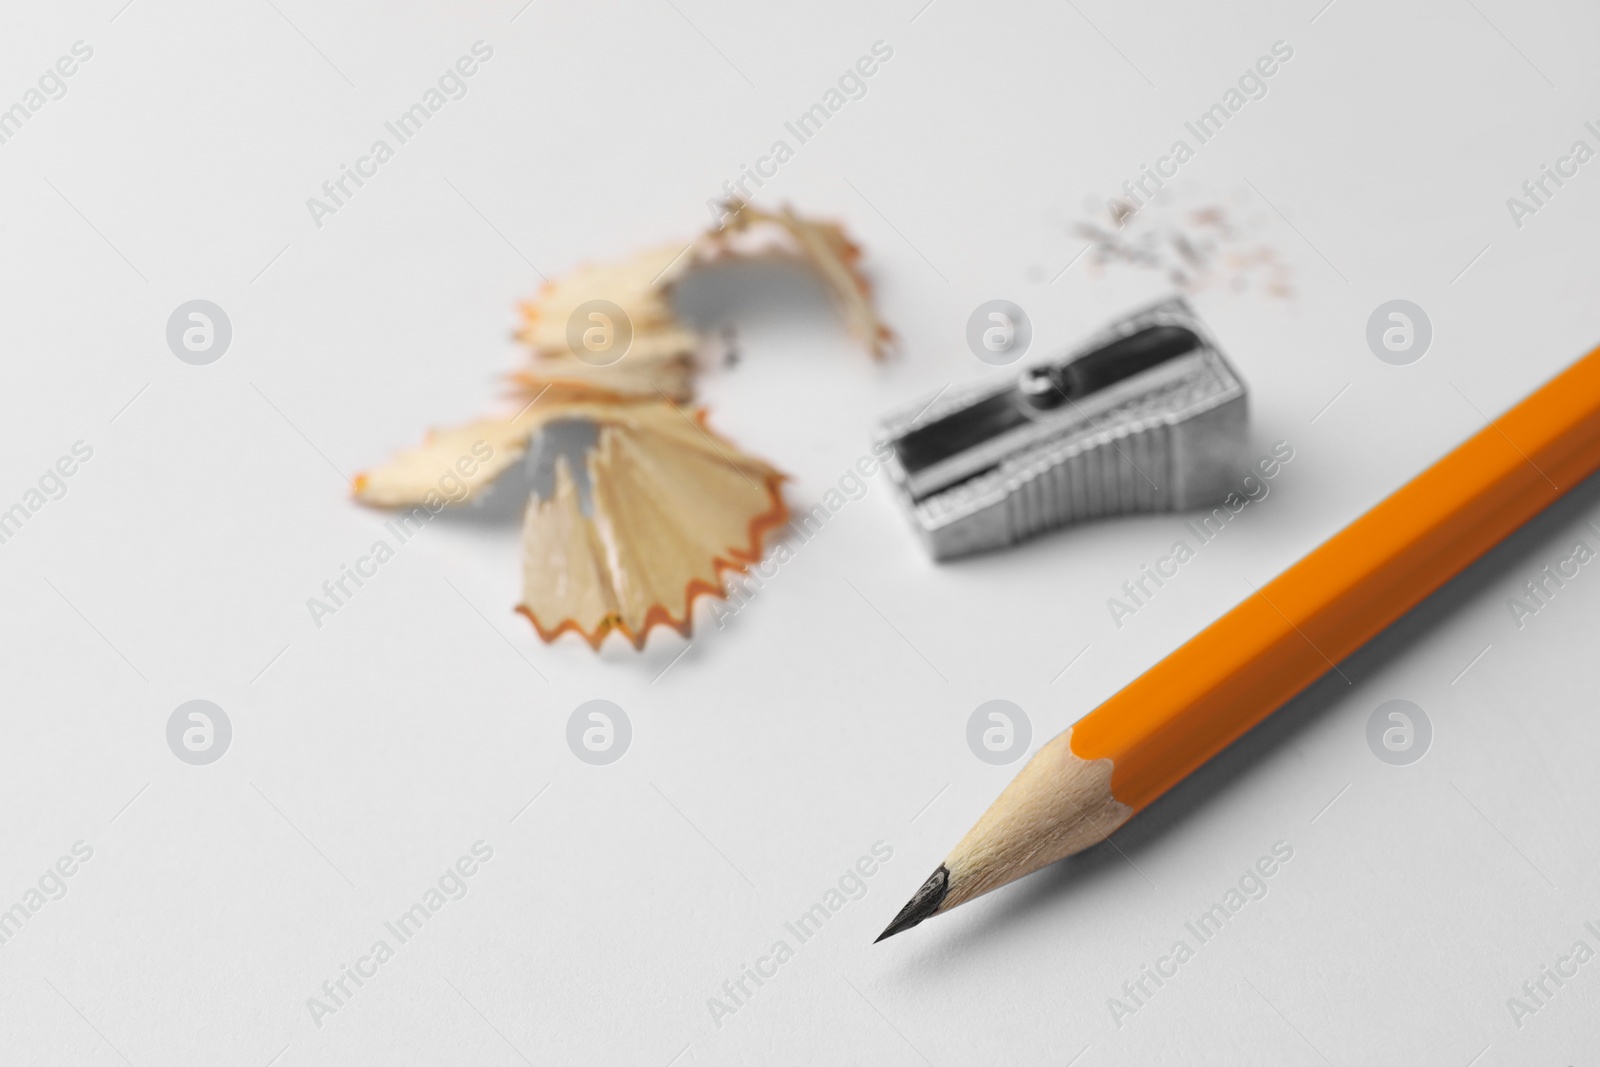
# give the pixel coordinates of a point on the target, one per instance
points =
(1146, 416)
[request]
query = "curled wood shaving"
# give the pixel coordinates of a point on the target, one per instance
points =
(664, 351)
(567, 378)
(474, 454)
(671, 508)
(660, 355)
(662, 507)
(751, 233)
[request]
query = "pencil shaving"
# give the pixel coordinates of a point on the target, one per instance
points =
(660, 353)
(660, 507)
(413, 476)
(752, 233)
(671, 507)
(664, 352)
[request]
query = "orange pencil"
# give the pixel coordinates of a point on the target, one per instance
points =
(1120, 757)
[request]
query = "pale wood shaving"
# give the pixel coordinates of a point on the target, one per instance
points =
(672, 508)
(628, 379)
(417, 474)
(662, 356)
(567, 569)
(752, 233)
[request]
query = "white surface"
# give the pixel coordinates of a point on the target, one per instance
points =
(374, 751)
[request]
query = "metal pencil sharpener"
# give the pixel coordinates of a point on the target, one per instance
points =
(1147, 416)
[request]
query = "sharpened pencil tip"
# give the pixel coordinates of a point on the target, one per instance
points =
(923, 903)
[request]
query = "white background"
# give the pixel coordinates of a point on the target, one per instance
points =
(830, 713)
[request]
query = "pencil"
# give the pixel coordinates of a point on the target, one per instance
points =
(1083, 784)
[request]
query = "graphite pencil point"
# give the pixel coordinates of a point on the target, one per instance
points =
(923, 903)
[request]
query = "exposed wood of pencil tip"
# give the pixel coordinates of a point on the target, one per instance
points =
(1057, 805)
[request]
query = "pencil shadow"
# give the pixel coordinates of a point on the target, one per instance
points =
(1055, 886)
